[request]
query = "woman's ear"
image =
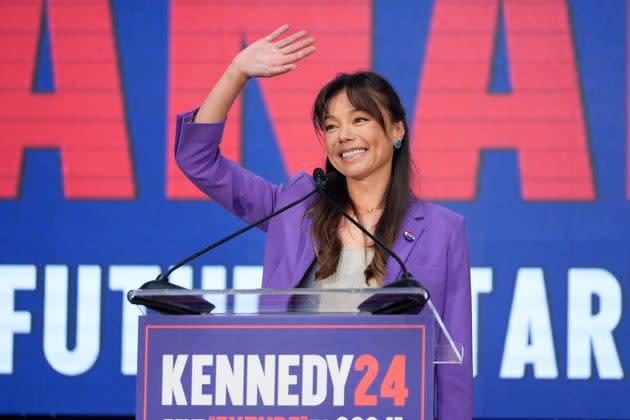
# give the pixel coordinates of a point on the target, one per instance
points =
(398, 130)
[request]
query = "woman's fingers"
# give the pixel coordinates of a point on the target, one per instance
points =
(282, 69)
(275, 34)
(296, 56)
(288, 40)
(289, 49)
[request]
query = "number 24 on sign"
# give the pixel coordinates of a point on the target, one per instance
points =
(393, 385)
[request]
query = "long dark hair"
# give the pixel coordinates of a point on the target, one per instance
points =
(371, 93)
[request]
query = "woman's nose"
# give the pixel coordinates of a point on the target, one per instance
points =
(346, 133)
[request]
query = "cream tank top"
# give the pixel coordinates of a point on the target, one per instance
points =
(349, 275)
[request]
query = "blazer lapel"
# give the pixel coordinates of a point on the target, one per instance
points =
(409, 235)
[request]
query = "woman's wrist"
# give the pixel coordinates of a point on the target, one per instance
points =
(234, 73)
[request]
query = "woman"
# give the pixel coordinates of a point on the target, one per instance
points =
(365, 134)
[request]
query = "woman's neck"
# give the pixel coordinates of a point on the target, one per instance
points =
(367, 194)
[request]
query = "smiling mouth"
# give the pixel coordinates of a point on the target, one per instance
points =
(353, 153)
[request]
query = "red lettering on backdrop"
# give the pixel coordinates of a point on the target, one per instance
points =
(542, 118)
(204, 38)
(84, 117)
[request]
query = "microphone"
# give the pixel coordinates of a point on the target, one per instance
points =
(323, 182)
(192, 304)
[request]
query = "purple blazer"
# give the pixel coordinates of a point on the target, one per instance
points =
(438, 257)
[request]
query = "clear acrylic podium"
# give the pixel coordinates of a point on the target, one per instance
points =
(220, 323)
(303, 301)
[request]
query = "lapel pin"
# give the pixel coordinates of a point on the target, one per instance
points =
(409, 236)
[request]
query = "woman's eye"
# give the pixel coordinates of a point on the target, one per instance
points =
(329, 127)
(360, 119)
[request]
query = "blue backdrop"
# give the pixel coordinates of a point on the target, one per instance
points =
(538, 265)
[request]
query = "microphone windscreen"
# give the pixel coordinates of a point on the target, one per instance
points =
(319, 175)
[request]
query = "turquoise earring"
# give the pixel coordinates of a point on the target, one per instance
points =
(397, 144)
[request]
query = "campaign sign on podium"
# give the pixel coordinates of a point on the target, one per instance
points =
(316, 359)
(285, 367)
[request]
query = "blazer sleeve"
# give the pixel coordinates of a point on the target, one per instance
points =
(455, 382)
(198, 154)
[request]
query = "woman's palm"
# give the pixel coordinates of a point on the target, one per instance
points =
(267, 57)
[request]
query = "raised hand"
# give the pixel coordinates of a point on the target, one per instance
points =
(270, 57)
(266, 57)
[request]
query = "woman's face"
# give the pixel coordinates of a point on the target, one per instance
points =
(356, 144)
